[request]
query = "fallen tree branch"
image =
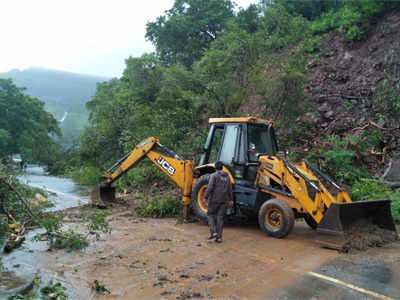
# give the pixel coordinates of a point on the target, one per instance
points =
(20, 198)
(374, 124)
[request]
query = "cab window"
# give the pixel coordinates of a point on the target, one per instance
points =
(261, 141)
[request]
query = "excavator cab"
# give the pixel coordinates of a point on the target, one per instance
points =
(238, 144)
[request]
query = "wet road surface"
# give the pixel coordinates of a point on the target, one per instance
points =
(159, 259)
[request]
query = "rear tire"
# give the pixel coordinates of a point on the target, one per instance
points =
(310, 222)
(276, 218)
(199, 204)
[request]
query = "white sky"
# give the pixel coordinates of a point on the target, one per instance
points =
(82, 36)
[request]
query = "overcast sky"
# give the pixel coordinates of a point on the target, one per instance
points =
(82, 36)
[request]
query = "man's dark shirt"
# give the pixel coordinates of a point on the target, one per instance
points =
(219, 188)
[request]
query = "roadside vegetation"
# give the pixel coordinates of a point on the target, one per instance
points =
(214, 59)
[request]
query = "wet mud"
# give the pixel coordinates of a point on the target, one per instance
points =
(363, 235)
(159, 259)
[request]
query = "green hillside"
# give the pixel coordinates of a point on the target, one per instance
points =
(63, 93)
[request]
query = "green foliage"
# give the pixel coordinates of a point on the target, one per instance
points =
(280, 29)
(160, 207)
(61, 92)
(100, 288)
(3, 229)
(282, 91)
(24, 124)
(339, 160)
(12, 193)
(370, 190)
(70, 240)
(185, 31)
(54, 292)
(395, 198)
(51, 291)
(312, 44)
(97, 222)
(377, 190)
(310, 9)
(57, 238)
(388, 96)
(84, 174)
(348, 15)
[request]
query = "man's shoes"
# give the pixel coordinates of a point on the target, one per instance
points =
(212, 237)
(218, 240)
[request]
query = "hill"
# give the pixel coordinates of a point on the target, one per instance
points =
(64, 94)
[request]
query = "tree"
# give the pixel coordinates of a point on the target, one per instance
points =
(188, 28)
(25, 127)
(310, 9)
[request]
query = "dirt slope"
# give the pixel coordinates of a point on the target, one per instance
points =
(344, 79)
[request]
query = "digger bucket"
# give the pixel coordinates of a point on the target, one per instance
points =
(101, 194)
(340, 218)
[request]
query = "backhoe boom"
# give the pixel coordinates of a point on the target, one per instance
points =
(175, 167)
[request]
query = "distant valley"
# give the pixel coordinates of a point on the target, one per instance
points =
(63, 93)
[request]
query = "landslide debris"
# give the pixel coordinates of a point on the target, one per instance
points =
(343, 81)
(363, 235)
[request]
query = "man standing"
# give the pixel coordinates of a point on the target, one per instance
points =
(219, 195)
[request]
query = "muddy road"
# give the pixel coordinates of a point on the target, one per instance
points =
(159, 259)
(146, 258)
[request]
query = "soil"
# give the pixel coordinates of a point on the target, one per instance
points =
(343, 81)
(145, 258)
(362, 236)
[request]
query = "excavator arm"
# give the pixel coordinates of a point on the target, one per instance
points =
(170, 163)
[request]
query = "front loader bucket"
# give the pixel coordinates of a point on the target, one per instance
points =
(102, 194)
(341, 219)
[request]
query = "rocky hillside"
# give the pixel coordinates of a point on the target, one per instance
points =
(345, 81)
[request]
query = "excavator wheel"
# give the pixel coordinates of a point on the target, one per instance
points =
(199, 204)
(310, 222)
(276, 218)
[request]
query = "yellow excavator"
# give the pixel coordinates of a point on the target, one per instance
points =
(266, 185)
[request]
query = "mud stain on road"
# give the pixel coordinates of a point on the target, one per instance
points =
(157, 259)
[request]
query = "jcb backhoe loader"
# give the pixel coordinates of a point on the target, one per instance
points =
(266, 185)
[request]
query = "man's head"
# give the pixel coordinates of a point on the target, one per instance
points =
(218, 165)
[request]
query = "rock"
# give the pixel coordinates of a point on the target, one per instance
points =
(11, 283)
(321, 99)
(329, 114)
(393, 173)
(311, 117)
(311, 64)
(347, 56)
(324, 107)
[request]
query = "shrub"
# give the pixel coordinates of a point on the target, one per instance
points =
(370, 190)
(54, 291)
(84, 174)
(97, 222)
(341, 160)
(388, 96)
(57, 238)
(155, 207)
(395, 197)
(70, 240)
